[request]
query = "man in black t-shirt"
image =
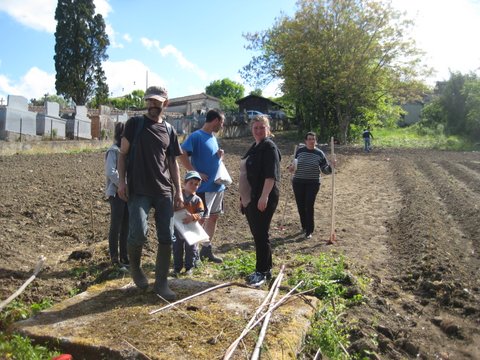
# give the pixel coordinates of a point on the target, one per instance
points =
(153, 182)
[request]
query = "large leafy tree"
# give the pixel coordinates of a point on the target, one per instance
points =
(228, 91)
(337, 58)
(80, 47)
(455, 106)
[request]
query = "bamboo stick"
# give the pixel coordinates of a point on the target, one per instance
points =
(233, 346)
(248, 329)
(263, 331)
(38, 267)
(190, 297)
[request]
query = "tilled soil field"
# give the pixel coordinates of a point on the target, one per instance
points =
(406, 219)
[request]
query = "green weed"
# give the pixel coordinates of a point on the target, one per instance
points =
(16, 347)
(237, 264)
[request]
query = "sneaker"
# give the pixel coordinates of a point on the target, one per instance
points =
(175, 274)
(189, 272)
(256, 279)
(268, 275)
(308, 236)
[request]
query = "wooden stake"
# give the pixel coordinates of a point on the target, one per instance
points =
(333, 237)
(282, 224)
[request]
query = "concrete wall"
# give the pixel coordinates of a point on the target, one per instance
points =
(16, 121)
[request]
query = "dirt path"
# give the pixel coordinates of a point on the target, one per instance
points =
(407, 220)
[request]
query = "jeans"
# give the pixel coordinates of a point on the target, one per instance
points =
(138, 208)
(367, 144)
(259, 223)
(305, 194)
(118, 233)
(191, 253)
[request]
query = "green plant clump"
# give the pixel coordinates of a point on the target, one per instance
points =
(16, 347)
(237, 265)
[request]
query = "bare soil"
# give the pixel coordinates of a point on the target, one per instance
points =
(408, 220)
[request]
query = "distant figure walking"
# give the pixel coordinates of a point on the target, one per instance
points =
(367, 136)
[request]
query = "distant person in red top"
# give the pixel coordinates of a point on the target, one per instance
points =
(194, 205)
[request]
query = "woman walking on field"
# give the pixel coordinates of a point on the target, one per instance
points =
(310, 162)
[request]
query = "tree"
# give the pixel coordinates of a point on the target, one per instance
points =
(337, 58)
(456, 106)
(228, 91)
(80, 47)
(52, 98)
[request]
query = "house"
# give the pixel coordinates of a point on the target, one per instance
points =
(193, 104)
(259, 103)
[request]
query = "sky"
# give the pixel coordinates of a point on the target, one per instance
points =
(184, 45)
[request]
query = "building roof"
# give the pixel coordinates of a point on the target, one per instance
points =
(252, 96)
(185, 99)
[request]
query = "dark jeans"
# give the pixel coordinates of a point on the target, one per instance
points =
(181, 247)
(118, 233)
(138, 208)
(305, 194)
(259, 223)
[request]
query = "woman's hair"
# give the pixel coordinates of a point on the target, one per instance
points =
(310, 133)
(119, 126)
(265, 121)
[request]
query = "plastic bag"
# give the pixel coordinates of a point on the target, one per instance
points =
(223, 177)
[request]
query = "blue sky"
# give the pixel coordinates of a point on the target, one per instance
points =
(186, 44)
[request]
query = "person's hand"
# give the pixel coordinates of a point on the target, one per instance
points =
(262, 203)
(178, 200)
(188, 218)
(220, 153)
(122, 191)
(203, 176)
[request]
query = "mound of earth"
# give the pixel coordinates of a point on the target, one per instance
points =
(405, 219)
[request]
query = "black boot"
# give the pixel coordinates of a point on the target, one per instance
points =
(206, 253)
(162, 267)
(138, 276)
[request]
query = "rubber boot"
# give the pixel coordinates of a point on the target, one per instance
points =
(206, 253)
(138, 276)
(162, 267)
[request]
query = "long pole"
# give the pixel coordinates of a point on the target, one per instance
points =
(332, 224)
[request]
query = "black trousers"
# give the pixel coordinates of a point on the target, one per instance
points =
(117, 236)
(305, 194)
(259, 223)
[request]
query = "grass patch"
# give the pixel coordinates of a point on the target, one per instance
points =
(325, 277)
(17, 347)
(236, 264)
(417, 137)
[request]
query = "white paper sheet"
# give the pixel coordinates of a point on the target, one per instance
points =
(193, 232)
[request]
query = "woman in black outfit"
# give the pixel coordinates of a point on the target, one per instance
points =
(259, 175)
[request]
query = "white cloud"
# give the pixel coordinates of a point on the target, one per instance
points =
(127, 38)
(40, 14)
(125, 76)
(35, 14)
(34, 84)
(176, 54)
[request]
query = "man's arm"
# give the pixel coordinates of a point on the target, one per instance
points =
(175, 176)
(185, 160)
(122, 186)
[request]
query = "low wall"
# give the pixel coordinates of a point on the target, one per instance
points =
(37, 147)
